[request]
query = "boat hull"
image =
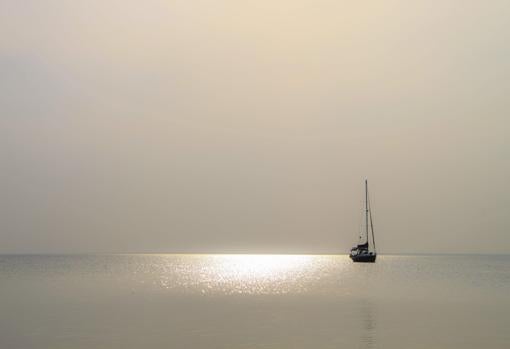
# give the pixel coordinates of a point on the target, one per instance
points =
(363, 258)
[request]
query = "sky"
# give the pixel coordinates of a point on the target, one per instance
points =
(250, 126)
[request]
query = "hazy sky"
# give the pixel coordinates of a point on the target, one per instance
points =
(249, 126)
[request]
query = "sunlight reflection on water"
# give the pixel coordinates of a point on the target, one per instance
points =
(245, 274)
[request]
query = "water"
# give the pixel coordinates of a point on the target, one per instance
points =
(253, 301)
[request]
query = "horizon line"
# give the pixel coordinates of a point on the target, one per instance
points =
(248, 253)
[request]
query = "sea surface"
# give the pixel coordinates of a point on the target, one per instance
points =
(253, 301)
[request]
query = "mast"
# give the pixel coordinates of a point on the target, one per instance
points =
(366, 206)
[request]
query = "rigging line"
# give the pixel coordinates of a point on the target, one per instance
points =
(361, 226)
(371, 222)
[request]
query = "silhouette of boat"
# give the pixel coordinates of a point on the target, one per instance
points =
(365, 251)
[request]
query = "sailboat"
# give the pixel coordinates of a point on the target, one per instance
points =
(365, 252)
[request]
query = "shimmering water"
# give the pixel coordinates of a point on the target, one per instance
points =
(254, 301)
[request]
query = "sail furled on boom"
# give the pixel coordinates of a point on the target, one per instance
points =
(363, 246)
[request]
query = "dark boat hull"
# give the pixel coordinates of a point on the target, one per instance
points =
(363, 258)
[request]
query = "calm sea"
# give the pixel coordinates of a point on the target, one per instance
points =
(253, 301)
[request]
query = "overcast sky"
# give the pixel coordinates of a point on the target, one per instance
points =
(249, 126)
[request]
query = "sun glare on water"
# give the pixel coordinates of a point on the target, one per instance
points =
(246, 274)
(259, 267)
